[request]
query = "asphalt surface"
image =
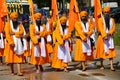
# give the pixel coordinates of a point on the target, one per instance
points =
(93, 72)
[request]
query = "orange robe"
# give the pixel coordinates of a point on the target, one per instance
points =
(100, 43)
(79, 55)
(11, 56)
(1, 52)
(6, 48)
(48, 32)
(58, 40)
(37, 60)
(28, 51)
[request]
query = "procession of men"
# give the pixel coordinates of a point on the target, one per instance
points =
(38, 40)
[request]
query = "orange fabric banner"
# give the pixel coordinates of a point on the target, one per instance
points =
(54, 9)
(31, 8)
(97, 11)
(3, 12)
(73, 14)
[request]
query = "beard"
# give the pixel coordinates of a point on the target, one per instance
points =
(15, 24)
(44, 20)
(64, 26)
(84, 20)
(38, 23)
(107, 21)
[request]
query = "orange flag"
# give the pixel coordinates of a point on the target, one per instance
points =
(54, 10)
(31, 8)
(97, 11)
(3, 12)
(73, 14)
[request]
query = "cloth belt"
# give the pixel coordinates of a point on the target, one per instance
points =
(78, 37)
(99, 34)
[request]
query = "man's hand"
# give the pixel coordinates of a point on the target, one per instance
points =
(12, 45)
(109, 34)
(25, 36)
(63, 37)
(85, 34)
(37, 33)
(12, 33)
(106, 38)
(36, 44)
(62, 45)
(85, 40)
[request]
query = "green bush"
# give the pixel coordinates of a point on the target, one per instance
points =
(117, 35)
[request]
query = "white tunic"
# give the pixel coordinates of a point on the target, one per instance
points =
(63, 51)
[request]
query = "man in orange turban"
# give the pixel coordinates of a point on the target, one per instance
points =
(14, 31)
(61, 55)
(84, 29)
(39, 55)
(48, 24)
(63, 20)
(83, 14)
(105, 45)
(14, 15)
(106, 9)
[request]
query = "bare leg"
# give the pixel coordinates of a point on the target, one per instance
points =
(83, 66)
(37, 69)
(19, 69)
(25, 59)
(28, 59)
(111, 64)
(101, 66)
(12, 68)
(1, 62)
(41, 68)
(65, 69)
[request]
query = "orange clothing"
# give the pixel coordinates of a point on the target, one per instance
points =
(11, 56)
(56, 63)
(49, 47)
(79, 55)
(1, 52)
(100, 43)
(58, 40)
(3, 12)
(6, 48)
(27, 52)
(37, 60)
(48, 32)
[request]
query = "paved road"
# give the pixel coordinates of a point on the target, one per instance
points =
(93, 72)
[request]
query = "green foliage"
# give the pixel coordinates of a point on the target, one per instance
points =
(117, 35)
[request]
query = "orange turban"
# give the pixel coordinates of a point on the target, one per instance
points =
(107, 9)
(63, 19)
(37, 15)
(14, 15)
(83, 13)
